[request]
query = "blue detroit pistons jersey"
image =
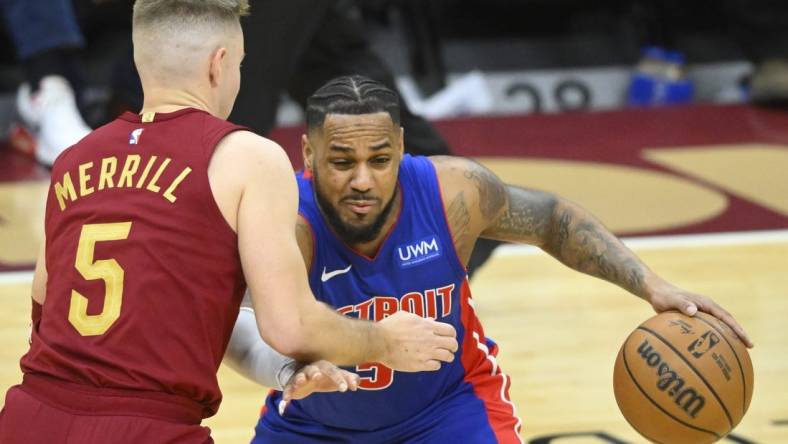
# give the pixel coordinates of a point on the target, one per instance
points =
(415, 269)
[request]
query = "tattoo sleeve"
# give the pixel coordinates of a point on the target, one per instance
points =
(492, 191)
(475, 196)
(568, 233)
(526, 218)
(581, 242)
(459, 217)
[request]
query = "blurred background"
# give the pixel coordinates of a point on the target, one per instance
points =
(449, 57)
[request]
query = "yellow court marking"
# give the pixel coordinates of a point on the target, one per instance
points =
(654, 200)
(22, 226)
(755, 172)
(559, 332)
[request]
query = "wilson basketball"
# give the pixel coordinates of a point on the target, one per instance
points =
(683, 380)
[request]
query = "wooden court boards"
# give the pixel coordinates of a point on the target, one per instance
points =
(559, 332)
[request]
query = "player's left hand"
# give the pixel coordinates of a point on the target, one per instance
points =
(319, 376)
(666, 296)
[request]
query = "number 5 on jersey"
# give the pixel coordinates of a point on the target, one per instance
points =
(379, 380)
(107, 270)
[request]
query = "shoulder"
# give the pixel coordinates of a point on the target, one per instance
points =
(249, 169)
(458, 193)
(96, 137)
(472, 195)
(244, 146)
(451, 167)
(62, 161)
(460, 169)
(245, 155)
(475, 182)
(449, 173)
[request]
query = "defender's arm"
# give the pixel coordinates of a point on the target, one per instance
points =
(288, 316)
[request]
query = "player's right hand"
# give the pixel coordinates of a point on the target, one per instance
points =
(317, 377)
(416, 344)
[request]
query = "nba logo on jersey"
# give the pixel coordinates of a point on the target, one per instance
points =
(419, 252)
(134, 137)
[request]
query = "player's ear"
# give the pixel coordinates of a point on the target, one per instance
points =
(306, 152)
(215, 68)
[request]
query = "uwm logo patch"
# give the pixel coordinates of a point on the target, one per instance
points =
(419, 252)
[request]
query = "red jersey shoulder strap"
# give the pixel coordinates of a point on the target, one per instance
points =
(215, 130)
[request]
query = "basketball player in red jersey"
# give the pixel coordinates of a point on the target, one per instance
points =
(155, 225)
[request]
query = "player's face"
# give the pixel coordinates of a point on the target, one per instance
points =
(355, 160)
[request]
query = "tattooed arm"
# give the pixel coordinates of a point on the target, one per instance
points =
(479, 204)
(471, 195)
(483, 206)
(573, 236)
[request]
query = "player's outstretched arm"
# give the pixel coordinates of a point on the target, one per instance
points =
(479, 204)
(250, 356)
(288, 316)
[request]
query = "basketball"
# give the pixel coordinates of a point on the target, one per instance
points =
(683, 380)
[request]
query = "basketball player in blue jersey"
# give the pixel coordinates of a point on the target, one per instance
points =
(382, 232)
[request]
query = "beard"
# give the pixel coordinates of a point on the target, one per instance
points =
(350, 234)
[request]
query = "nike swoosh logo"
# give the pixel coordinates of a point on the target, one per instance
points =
(326, 276)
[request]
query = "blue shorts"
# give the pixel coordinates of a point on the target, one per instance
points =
(459, 419)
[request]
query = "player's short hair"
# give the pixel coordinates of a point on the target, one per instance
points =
(351, 95)
(188, 12)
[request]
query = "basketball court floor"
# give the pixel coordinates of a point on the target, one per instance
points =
(700, 193)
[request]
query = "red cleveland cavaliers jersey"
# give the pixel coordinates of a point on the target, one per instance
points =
(144, 278)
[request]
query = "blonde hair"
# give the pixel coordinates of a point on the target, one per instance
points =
(188, 12)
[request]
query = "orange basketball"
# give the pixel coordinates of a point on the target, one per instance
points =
(683, 380)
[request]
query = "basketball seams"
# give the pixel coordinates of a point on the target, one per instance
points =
(634, 380)
(702, 378)
(735, 355)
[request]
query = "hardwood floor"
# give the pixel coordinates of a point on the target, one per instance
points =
(559, 332)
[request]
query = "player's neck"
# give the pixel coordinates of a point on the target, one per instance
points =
(165, 100)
